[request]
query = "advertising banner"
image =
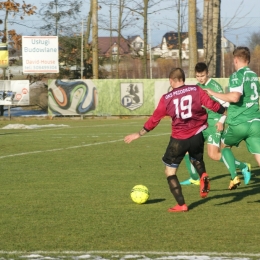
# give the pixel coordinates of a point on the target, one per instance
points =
(100, 97)
(109, 97)
(40, 54)
(14, 92)
(3, 55)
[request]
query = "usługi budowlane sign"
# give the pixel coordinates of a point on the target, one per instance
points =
(40, 54)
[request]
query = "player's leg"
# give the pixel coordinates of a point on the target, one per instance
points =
(213, 147)
(257, 158)
(214, 153)
(176, 190)
(194, 177)
(196, 151)
(245, 169)
(172, 158)
(253, 140)
(241, 165)
(232, 136)
(213, 144)
(229, 161)
(212, 139)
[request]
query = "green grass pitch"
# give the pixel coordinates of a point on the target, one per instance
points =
(67, 188)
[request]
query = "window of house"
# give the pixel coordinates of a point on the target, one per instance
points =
(138, 44)
(114, 50)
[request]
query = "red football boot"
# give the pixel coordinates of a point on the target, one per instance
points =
(204, 185)
(179, 208)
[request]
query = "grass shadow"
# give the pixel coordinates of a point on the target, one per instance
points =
(154, 201)
(219, 176)
(235, 195)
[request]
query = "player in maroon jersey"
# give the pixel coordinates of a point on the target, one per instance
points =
(184, 105)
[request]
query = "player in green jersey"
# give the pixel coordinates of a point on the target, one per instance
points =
(212, 134)
(243, 117)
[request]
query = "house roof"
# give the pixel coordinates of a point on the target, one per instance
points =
(132, 38)
(172, 39)
(105, 43)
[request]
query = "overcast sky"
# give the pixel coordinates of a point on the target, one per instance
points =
(237, 30)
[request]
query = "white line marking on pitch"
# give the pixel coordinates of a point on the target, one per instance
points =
(135, 254)
(73, 147)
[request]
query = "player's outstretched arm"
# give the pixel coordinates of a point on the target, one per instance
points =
(228, 97)
(129, 138)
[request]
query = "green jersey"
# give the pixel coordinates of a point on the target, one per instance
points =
(246, 82)
(213, 85)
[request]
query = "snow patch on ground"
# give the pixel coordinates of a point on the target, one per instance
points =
(134, 256)
(22, 126)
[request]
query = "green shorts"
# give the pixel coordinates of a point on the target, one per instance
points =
(211, 136)
(247, 131)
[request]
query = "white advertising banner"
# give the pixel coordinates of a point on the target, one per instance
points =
(40, 54)
(14, 92)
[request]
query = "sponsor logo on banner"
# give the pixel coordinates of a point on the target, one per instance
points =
(72, 97)
(132, 95)
(14, 92)
(3, 55)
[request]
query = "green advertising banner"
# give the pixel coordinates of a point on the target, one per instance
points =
(109, 97)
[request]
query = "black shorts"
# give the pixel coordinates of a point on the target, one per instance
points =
(177, 149)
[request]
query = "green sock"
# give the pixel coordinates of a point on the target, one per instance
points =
(240, 165)
(229, 161)
(192, 171)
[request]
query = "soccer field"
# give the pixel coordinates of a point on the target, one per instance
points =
(65, 193)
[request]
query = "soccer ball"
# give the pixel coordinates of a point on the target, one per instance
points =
(139, 194)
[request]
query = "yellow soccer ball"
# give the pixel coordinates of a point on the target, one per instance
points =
(140, 194)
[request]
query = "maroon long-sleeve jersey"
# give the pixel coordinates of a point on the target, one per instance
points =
(184, 106)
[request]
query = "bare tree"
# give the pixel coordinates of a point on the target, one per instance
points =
(193, 47)
(120, 13)
(11, 7)
(216, 71)
(117, 24)
(60, 16)
(181, 8)
(199, 21)
(212, 36)
(179, 33)
(145, 17)
(95, 38)
(14, 8)
(87, 34)
(208, 32)
(212, 33)
(253, 40)
(144, 8)
(232, 23)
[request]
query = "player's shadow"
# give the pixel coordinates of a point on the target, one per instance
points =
(154, 201)
(235, 195)
(219, 177)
